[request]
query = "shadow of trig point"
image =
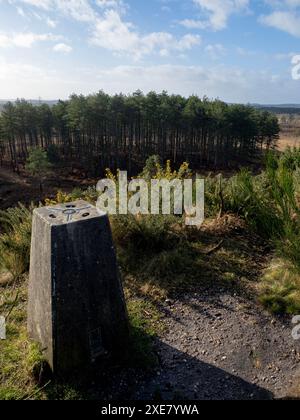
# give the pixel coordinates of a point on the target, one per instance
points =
(76, 308)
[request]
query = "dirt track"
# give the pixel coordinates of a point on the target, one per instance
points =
(218, 346)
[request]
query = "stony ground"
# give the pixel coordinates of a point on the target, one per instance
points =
(215, 347)
(220, 347)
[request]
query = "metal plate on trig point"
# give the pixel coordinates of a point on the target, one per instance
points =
(69, 212)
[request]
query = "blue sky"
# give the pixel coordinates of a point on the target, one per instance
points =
(237, 50)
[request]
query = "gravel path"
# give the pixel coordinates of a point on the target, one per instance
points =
(222, 347)
(218, 343)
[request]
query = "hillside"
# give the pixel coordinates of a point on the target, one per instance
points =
(210, 308)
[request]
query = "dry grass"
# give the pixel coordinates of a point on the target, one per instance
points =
(286, 141)
(290, 131)
(279, 290)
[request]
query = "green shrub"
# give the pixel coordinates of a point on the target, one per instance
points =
(15, 239)
(150, 168)
(38, 165)
(250, 197)
(145, 233)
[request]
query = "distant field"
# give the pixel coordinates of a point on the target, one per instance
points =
(290, 131)
(288, 141)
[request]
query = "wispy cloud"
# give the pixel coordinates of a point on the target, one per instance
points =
(110, 30)
(112, 33)
(285, 16)
(218, 13)
(215, 51)
(62, 48)
(51, 23)
(25, 39)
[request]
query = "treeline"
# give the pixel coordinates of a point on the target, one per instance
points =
(100, 131)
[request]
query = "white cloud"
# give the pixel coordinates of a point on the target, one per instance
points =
(193, 24)
(42, 4)
(15, 72)
(286, 21)
(218, 12)
(111, 4)
(64, 48)
(80, 10)
(112, 33)
(230, 84)
(21, 12)
(296, 67)
(25, 39)
(215, 51)
(110, 30)
(285, 16)
(283, 3)
(51, 23)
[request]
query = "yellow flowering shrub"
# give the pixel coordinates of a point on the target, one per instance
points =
(60, 198)
(111, 176)
(159, 172)
(167, 172)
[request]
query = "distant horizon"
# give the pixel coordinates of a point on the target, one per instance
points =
(44, 100)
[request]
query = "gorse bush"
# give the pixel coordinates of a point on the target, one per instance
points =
(150, 168)
(282, 175)
(249, 197)
(15, 239)
(155, 170)
(268, 202)
(90, 195)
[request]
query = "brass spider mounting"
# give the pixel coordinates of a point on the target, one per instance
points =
(69, 211)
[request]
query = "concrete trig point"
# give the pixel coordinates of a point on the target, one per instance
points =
(76, 305)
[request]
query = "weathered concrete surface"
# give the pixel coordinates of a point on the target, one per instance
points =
(76, 305)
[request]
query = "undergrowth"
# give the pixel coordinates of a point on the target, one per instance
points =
(160, 257)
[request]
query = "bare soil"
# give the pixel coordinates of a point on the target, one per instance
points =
(22, 188)
(216, 346)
